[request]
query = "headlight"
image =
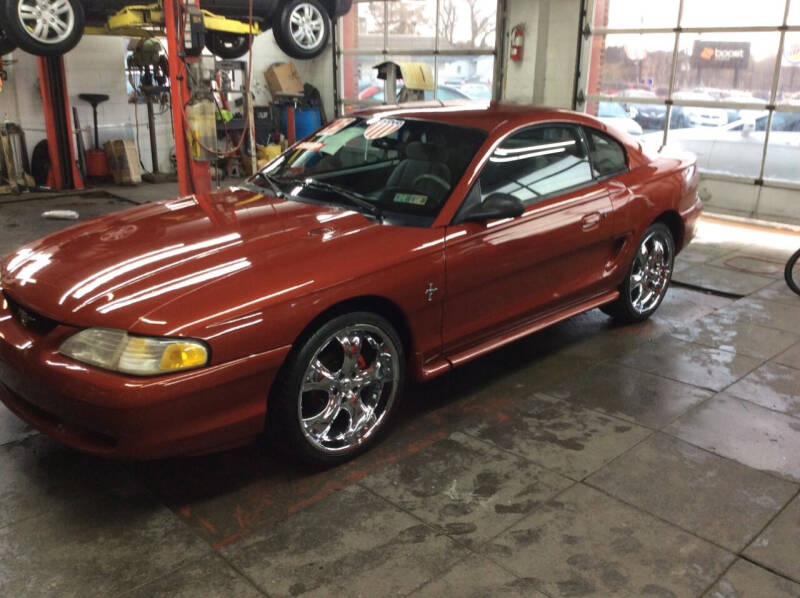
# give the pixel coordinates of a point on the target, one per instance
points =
(138, 355)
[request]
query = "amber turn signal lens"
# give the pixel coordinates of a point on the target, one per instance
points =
(180, 356)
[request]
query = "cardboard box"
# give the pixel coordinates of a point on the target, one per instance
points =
(124, 161)
(283, 78)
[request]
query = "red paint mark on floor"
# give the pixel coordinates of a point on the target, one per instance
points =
(273, 492)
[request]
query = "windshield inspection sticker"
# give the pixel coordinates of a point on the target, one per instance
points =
(336, 126)
(410, 198)
(383, 128)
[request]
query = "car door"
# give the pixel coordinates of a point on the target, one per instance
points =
(503, 273)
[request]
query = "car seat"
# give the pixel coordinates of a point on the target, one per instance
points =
(424, 170)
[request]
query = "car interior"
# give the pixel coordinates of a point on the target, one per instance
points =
(412, 170)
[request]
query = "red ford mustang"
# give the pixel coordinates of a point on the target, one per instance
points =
(391, 243)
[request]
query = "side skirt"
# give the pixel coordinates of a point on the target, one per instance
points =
(507, 337)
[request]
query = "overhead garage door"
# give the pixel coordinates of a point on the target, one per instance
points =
(720, 78)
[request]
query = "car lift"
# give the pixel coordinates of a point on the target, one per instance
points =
(64, 172)
(134, 21)
(193, 176)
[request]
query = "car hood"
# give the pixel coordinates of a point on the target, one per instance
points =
(116, 270)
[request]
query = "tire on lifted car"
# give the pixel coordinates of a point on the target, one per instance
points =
(227, 46)
(6, 45)
(59, 31)
(302, 28)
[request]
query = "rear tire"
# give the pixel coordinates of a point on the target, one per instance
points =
(302, 29)
(48, 34)
(228, 46)
(648, 277)
(792, 272)
(338, 389)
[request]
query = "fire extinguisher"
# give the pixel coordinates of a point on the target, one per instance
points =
(517, 42)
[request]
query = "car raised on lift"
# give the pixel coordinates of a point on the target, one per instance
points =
(393, 243)
(52, 27)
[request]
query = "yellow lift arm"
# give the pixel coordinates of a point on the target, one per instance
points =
(147, 20)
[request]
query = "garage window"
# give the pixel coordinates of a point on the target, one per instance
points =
(719, 78)
(455, 38)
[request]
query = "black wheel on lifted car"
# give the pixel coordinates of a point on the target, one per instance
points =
(648, 277)
(6, 45)
(227, 46)
(302, 28)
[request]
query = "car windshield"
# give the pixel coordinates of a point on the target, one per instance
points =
(403, 169)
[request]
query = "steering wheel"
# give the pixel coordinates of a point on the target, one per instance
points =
(434, 178)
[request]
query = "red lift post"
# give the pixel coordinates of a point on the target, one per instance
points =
(64, 173)
(193, 176)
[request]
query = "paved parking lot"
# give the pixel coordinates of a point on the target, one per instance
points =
(654, 460)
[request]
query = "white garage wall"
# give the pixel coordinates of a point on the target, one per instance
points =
(97, 65)
(545, 74)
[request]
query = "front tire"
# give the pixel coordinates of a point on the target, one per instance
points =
(43, 27)
(648, 277)
(338, 389)
(302, 29)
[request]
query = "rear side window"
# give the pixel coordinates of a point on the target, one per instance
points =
(537, 163)
(607, 154)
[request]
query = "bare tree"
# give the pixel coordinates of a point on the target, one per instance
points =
(447, 21)
(481, 22)
(403, 19)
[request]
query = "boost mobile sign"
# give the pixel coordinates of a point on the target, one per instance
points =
(721, 54)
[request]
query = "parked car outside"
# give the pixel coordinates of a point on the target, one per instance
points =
(696, 116)
(649, 116)
(444, 92)
(737, 148)
(476, 91)
(51, 27)
(614, 115)
(392, 244)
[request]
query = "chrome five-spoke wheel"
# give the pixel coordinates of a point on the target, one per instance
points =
(651, 272)
(349, 387)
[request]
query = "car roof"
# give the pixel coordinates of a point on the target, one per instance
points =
(478, 115)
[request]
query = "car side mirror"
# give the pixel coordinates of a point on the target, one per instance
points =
(748, 127)
(496, 206)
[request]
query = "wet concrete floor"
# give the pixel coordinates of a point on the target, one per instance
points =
(657, 460)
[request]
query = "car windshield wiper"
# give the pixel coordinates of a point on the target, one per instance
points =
(351, 196)
(277, 191)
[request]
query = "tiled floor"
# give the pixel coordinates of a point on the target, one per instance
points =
(591, 459)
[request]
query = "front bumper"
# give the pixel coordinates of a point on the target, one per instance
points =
(113, 415)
